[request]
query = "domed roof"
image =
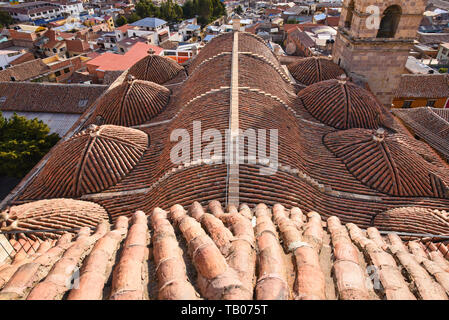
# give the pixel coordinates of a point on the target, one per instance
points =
(131, 103)
(155, 69)
(311, 70)
(382, 162)
(342, 104)
(52, 214)
(90, 161)
(413, 219)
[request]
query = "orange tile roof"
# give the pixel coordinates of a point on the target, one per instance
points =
(111, 61)
(286, 254)
(311, 175)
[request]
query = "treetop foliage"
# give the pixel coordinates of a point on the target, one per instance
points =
(205, 10)
(23, 143)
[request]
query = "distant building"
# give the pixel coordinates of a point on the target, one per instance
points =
(7, 56)
(108, 61)
(422, 90)
(443, 53)
(58, 105)
(154, 28)
(30, 11)
(377, 56)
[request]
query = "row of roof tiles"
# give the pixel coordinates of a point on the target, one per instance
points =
(208, 253)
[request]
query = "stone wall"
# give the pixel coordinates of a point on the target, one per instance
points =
(378, 62)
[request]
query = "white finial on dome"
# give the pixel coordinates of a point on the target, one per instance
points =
(379, 135)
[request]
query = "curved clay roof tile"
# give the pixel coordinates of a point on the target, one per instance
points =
(343, 105)
(382, 162)
(131, 103)
(311, 70)
(90, 161)
(52, 214)
(155, 69)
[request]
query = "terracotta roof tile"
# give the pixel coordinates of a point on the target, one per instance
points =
(310, 70)
(52, 214)
(276, 257)
(423, 86)
(309, 175)
(48, 97)
(24, 71)
(430, 124)
(130, 103)
(342, 104)
(90, 161)
(155, 68)
(383, 162)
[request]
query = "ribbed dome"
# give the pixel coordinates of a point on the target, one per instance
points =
(155, 69)
(413, 219)
(52, 214)
(133, 102)
(90, 161)
(311, 70)
(342, 104)
(382, 162)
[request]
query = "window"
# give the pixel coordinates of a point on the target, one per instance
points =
(389, 23)
(55, 50)
(82, 103)
(2, 99)
(66, 70)
(57, 73)
(13, 79)
(407, 104)
(431, 103)
(349, 15)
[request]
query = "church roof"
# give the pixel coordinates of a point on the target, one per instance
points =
(383, 162)
(155, 68)
(132, 102)
(46, 214)
(342, 104)
(89, 161)
(236, 77)
(311, 70)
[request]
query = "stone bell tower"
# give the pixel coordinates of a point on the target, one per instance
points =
(374, 39)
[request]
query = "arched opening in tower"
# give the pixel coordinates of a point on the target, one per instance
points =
(349, 15)
(389, 23)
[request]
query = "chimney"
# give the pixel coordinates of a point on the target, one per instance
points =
(236, 24)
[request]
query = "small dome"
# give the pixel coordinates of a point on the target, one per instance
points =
(311, 70)
(131, 103)
(342, 104)
(52, 214)
(90, 161)
(413, 219)
(382, 162)
(155, 69)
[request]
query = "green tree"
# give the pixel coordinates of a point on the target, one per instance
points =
(133, 17)
(23, 143)
(238, 10)
(188, 9)
(204, 11)
(5, 19)
(121, 20)
(146, 8)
